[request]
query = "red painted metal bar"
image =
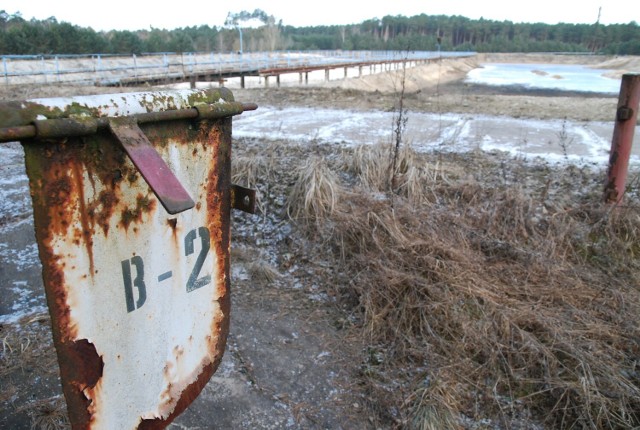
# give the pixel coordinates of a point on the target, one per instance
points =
(626, 118)
(153, 168)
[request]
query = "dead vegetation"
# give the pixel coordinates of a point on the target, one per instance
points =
(28, 372)
(503, 297)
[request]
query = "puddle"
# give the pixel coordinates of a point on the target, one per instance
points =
(546, 76)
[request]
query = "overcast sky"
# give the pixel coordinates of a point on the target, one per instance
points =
(140, 14)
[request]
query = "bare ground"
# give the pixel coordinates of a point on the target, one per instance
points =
(297, 356)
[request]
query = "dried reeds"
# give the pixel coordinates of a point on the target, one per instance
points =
(519, 307)
(315, 194)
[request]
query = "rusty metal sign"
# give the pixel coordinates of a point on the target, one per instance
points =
(131, 196)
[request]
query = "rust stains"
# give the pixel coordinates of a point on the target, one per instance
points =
(144, 204)
(219, 195)
(54, 187)
(218, 135)
(161, 133)
(219, 220)
(62, 209)
(87, 230)
(107, 200)
(173, 225)
(184, 398)
(81, 368)
(85, 189)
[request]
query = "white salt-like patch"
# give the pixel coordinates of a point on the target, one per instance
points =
(584, 142)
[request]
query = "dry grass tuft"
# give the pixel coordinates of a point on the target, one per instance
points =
(47, 414)
(371, 164)
(23, 349)
(255, 170)
(261, 270)
(498, 302)
(315, 194)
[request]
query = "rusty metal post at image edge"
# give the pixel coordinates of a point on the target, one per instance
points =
(622, 141)
(131, 196)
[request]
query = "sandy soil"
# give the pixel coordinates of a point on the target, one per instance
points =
(441, 88)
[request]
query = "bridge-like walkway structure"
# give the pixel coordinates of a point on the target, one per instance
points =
(168, 68)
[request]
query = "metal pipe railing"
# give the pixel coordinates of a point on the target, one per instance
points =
(107, 68)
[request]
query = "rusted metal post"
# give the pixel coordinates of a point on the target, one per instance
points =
(139, 296)
(626, 118)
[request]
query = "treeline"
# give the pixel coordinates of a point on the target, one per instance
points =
(421, 32)
(457, 33)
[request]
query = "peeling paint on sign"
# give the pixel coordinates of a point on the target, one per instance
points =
(139, 298)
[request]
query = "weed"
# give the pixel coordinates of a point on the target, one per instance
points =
(564, 141)
(315, 194)
(400, 126)
(47, 414)
(517, 305)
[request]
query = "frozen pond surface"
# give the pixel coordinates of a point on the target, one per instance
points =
(20, 269)
(552, 140)
(546, 76)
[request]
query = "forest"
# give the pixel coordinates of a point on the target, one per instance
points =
(417, 33)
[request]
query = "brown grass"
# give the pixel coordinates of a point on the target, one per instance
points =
(315, 194)
(261, 270)
(503, 299)
(47, 414)
(23, 349)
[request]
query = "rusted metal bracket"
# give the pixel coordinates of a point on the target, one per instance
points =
(243, 199)
(172, 195)
(52, 128)
(153, 168)
(624, 113)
